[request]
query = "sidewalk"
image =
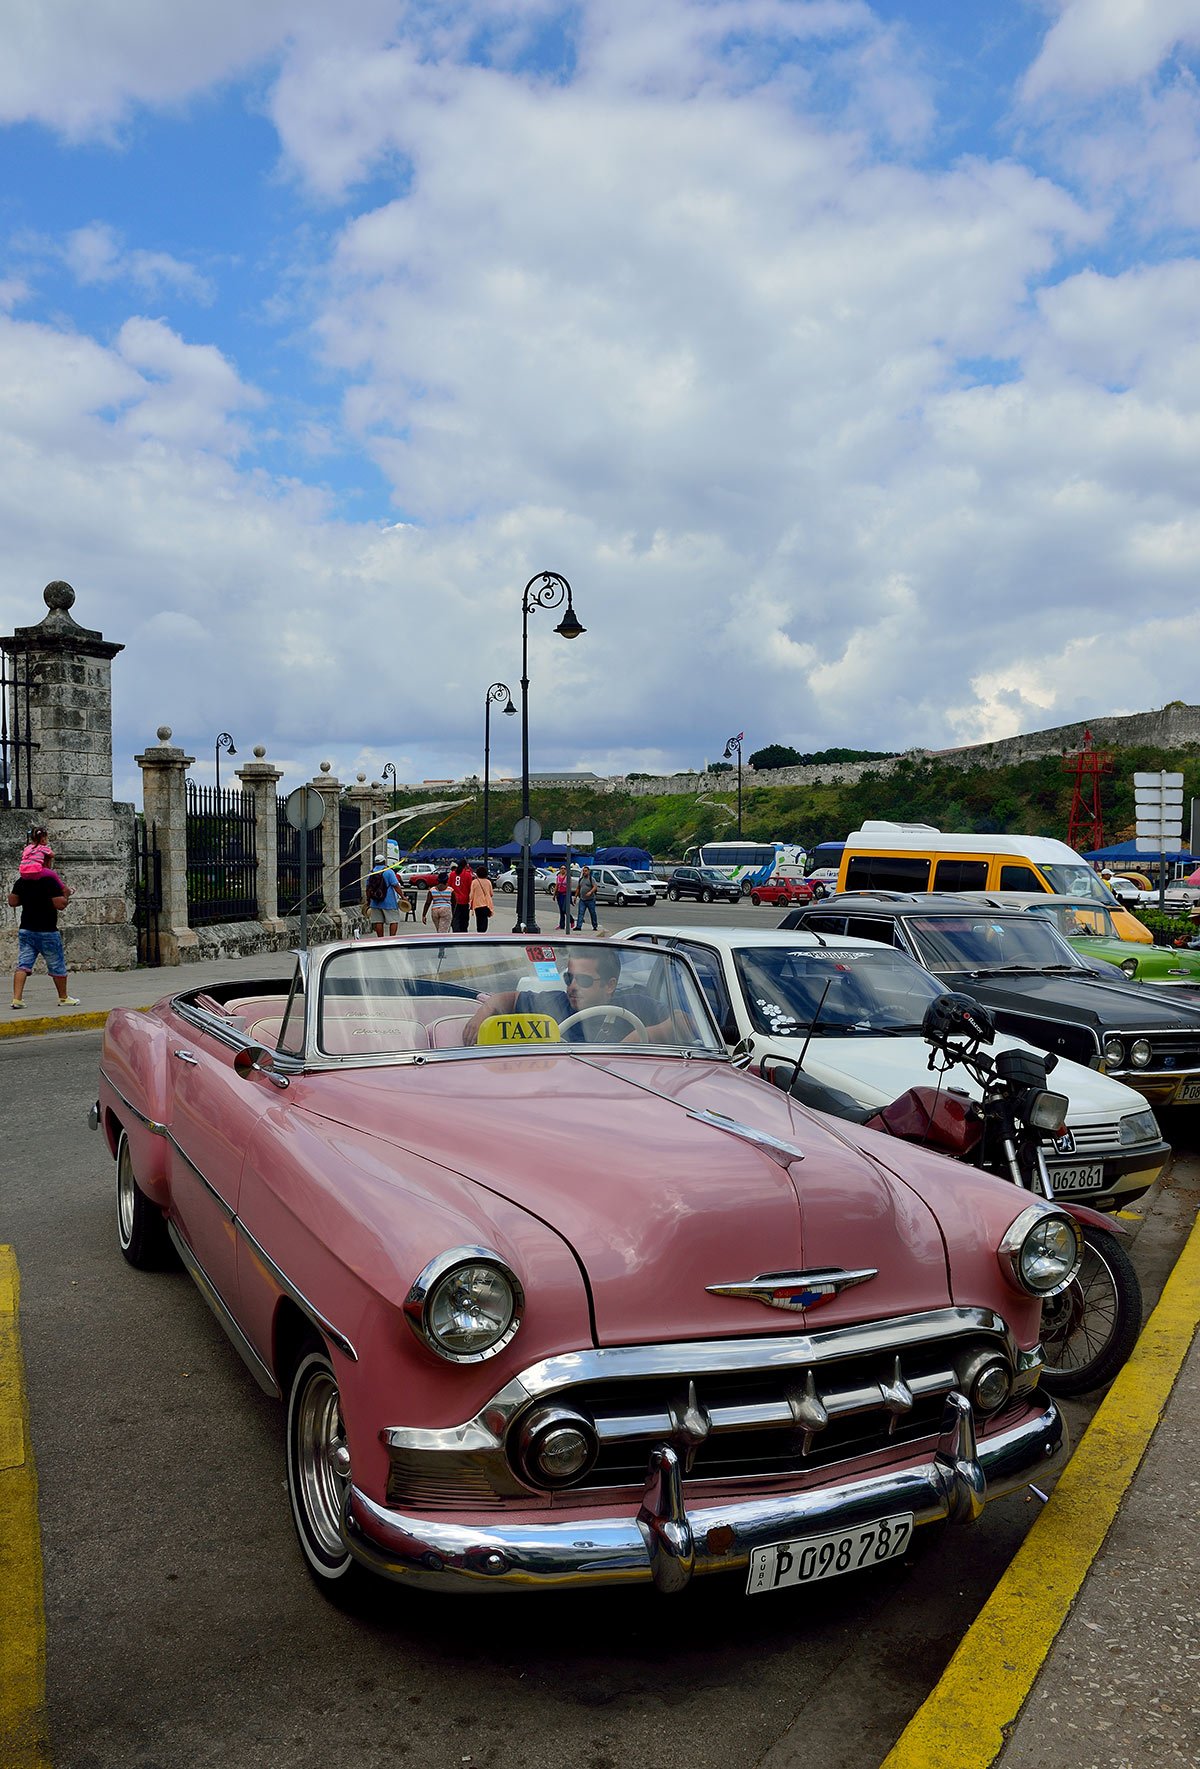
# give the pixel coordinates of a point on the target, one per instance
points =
(101, 990)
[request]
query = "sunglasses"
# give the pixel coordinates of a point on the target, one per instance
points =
(581, 979)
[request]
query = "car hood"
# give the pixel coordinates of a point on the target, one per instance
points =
(657, 1204)
(1084, 998)
(875, 1071)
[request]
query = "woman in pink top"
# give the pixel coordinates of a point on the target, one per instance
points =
(482, 901)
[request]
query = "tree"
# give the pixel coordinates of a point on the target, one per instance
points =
(775, 755)
(720, 767)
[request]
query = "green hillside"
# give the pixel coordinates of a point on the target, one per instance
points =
(1033, 798)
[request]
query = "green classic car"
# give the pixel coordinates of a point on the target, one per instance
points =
(1089, 928)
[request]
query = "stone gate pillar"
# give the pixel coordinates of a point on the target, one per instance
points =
(368, 802)
(330, 790)
(164, 801)
(69, 669)
(261, 780)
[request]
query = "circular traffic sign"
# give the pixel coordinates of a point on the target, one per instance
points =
(305, 808)
(527, 829)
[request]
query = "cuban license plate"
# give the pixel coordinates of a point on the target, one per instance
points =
(1188, 1094)
(826, 1557)
(1078, 1179)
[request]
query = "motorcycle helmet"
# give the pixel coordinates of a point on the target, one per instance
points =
(956, 1017)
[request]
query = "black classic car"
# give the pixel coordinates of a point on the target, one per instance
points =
(1036, 986)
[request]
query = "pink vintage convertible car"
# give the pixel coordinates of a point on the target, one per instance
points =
(557, 1296)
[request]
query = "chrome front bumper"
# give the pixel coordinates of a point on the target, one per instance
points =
(667, 1544)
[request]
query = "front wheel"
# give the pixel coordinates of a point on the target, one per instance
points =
(141, 1227)
(1090, 1329)
(706, 896)
(318, 1475)
(755, 898)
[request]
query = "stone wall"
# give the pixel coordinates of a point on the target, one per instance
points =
(1173, 727)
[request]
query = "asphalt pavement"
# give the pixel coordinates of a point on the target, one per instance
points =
(1089, 1646)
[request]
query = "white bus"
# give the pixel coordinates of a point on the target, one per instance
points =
(748, 863)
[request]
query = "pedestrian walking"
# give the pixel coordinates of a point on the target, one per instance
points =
(483, 903)
(439, 903)
(586, 893)
(562, 896)
(40, 895)
(383, 897)
(461, 877)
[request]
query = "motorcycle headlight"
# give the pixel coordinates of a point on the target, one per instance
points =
(466, 1305)
(1048, 1111)
(1114, 1052)
(1139, 1127)
(1140, 1052)
(1041, 1252)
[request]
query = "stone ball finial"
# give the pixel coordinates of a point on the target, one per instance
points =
(377, 786)
(259, 751)
(58, 595)
(361, 778)
(325, 767)
(164, 731)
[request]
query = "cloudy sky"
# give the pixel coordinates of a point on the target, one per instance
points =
(844, 355)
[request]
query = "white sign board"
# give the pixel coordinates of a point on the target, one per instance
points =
(573, 838)
(1158, 781)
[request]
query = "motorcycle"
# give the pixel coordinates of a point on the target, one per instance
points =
(1090, 1327)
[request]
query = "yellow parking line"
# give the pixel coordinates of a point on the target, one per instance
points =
(962, 1725)
(23, 1741)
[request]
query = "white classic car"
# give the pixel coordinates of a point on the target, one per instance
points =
(850, 1012)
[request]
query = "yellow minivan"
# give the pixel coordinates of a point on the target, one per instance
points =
(884, 856)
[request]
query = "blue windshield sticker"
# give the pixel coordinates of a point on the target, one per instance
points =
(547, 972)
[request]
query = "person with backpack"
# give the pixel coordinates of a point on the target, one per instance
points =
(383, 897)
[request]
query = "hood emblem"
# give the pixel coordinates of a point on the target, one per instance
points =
(794, 1289)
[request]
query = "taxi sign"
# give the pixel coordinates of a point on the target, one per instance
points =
(518, 1028)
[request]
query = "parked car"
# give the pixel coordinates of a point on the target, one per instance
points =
(623, 887)
(513, 1301)
(542, 876)
(704, 884)
(1039, 990)
(1183, 894)
(782, 887)
(1091, 930)
(850, 1012)
(823, 880)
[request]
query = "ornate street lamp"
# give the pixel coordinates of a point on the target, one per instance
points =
(734, 747)
(224, 742)
(497, 692)
(546, 589)
(390, 768)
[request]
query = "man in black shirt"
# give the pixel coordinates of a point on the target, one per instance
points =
(39, 900)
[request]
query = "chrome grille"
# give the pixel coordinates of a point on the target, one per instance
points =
(1089, 1139)
(1172, 1050)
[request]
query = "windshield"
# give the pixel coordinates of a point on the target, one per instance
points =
(706, 872)
(1076, 881)
(989, 942)
(454, 994)
(624, 875)
(867, 991)
(1075, 919)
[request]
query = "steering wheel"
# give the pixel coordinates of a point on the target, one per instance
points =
(612, 1011)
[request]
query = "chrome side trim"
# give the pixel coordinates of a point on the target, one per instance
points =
(705, 1357)
(659, 1541)
(320, 1321)
(151, 1124)
(783, 1153)
(242, 1345)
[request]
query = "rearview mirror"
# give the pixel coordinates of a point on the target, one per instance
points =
(252, 1057)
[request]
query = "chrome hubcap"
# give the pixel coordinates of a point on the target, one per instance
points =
(125, 1195)
(322, 1461)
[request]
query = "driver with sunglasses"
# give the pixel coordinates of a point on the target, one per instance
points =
(590, 979)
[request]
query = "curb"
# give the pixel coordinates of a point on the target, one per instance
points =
(965, 1721)
(23, 1741)
(62, 1022)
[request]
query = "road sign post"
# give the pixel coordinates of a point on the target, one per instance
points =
(526, 830)
(304, 810)
(1158, 808)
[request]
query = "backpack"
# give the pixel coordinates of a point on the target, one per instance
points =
(377, 888)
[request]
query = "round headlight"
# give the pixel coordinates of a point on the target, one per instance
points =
(1129, 966)
(466, 1305)
(556, 1447)
(1140, 1052)
(1041, 1251)
(992, 1387)
(1114, 1052)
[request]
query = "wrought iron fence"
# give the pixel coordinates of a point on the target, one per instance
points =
(222, 859)
(288, 849)
(349, 857)
(16, 745)
(147, 889)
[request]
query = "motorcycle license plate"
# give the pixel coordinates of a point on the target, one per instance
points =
(825, 1557)
(1078, 1179)
(1188, 1094)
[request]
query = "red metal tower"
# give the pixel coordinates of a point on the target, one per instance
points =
(1086, 828)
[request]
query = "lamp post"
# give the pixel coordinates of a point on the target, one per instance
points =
(224, 742)
(497, 692)
(734, 747)
(390, 768)
(546, 589)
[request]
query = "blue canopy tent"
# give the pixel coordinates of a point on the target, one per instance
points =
(638, 858)
(1127, 854)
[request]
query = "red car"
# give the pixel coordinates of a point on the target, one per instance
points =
(552, 1294)
(782, 890)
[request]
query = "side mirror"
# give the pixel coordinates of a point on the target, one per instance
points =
(254, 1056)
(741, 1053)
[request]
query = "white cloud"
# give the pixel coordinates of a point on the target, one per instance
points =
(1097, 45)
(96, 254)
